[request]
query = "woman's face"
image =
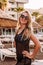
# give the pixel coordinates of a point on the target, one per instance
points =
(23, 18)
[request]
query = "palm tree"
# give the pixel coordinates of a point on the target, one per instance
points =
(39, 19)
(18, 9)
(35, 14)
(0, 5)
(3, 3)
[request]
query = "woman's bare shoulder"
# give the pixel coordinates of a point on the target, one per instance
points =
(28, 31)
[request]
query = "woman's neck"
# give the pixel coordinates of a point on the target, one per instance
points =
(22, 26)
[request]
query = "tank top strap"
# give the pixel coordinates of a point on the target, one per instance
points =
(23, 30)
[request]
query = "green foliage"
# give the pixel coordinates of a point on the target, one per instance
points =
(0, 4)
(3, 1)
(3, 4)
(39, 18)
(19, 9)
(35, 14)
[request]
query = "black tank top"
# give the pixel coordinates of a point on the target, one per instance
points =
(21, 44)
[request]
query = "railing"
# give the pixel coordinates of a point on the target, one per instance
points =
(7, 38)
(39, 36)
(41, 43)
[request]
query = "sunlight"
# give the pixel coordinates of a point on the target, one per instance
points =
(34, 4)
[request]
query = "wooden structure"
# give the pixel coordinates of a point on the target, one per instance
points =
(7, 23)
(7, 30)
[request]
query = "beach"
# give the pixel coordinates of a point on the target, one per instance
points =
(12, 61)
(8, 61)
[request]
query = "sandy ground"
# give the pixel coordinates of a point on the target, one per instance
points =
(12, 61)
(8, 61)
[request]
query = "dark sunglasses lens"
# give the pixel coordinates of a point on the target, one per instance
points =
(26, 17)
(22, 16)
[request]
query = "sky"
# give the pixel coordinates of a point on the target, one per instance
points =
(34, 4)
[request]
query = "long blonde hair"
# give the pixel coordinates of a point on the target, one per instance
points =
(29, 23)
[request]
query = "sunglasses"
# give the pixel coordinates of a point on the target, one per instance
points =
(23, 16)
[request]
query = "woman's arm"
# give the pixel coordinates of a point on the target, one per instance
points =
(14, 44)
(37, 47)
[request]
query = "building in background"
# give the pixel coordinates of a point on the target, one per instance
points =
(7, 27)
(8, 18)
(13, 4)
(7, 13)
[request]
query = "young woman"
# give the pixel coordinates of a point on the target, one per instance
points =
(22, 39)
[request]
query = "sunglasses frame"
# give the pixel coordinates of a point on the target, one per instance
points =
(23, 16)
